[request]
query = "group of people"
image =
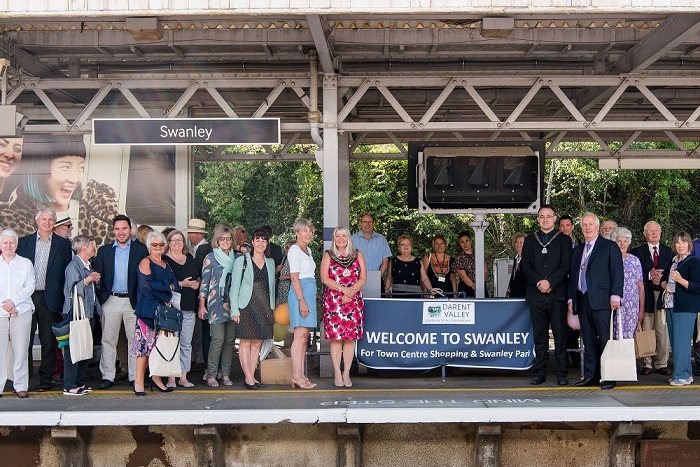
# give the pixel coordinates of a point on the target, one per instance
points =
(230, 285)
(231, 288)
(649, 287)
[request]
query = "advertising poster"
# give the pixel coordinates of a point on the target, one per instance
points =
(424, 334)
(90, 183)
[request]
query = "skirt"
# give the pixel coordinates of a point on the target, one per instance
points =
(144, 339)
(308, 288)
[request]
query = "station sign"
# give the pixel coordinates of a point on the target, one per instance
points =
(185, 131)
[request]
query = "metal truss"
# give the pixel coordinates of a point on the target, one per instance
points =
(397, 109)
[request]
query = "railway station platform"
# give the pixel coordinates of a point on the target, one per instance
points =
(388, 418)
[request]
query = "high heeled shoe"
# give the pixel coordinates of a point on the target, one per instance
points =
(139, 393)
(159, 388)
(308, 381)
(302, 383)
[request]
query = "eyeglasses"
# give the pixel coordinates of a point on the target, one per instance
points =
(176, 240)
(157, 244)
(225, 239)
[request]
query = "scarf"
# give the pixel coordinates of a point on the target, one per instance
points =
(226, 263)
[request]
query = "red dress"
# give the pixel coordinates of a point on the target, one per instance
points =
(343, 322)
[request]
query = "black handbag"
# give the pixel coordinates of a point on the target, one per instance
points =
(168, 318)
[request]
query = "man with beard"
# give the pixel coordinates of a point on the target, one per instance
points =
(117, 263)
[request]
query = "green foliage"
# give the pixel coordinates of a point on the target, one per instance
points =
(274, 193)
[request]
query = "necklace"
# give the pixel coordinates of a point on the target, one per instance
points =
(305, 249)
(440, 268)
(545, 245)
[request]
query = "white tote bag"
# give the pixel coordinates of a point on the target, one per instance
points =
(164, 359)
(618, 362)
(80, 340)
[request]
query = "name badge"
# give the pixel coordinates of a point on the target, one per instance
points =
(441, 279)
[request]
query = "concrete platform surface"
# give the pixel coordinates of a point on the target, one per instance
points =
(380, 397)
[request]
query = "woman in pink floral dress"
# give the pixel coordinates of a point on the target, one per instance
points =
(343, 272)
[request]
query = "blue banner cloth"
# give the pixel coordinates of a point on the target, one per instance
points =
(423, 334)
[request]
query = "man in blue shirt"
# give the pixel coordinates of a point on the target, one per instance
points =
(373, 246)
(117, 264)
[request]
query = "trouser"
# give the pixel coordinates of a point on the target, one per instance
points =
(73, 373)
(595, 333)
(115, 311)
(223, 339)
(546, 313)
(42, 320)
(123, 352)
(14, 333)
(206, 341)
(197, 335)
(657, 322)
(572, 342)
(680, 328)
(188, 320)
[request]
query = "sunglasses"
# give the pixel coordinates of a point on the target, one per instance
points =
(157, 244)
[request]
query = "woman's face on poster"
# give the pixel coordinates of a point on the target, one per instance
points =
(65, 177)
(10, 155)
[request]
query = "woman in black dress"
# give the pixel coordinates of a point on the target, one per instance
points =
(438, 266)
(406, 273)
(518, 281)
(253, 294)
(187, 274)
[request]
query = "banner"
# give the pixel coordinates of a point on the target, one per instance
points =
(423, 334)
(87, 183)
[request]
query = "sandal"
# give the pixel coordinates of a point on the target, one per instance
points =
(74, 392)
(212, 383)
(226, 382)
(185, 384)
(302, 383)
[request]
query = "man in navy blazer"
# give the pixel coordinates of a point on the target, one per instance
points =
(118, 263)
(50, 254)
(595, 287)
(655, 258)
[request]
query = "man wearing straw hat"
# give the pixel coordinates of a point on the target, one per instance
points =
(199, 248)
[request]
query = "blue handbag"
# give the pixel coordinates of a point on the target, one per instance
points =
(168, 318)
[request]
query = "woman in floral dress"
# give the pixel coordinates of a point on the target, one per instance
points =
(343, 272)
(632, 305)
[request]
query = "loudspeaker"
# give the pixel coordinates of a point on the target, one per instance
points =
(454, 177)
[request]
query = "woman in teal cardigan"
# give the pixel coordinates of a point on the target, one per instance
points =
(253, 293)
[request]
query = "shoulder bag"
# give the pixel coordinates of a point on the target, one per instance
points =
(618, 362)
(168, 318)
(80, 342)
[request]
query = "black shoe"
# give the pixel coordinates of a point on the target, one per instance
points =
(664, 371)
(250, 386)
(159, 388)
(44, 387)
(105, 384)
(260, 385)
(607, 385)
(139, 393)
(562, 381)
(538, 379)
(646, 371)
(585, 382)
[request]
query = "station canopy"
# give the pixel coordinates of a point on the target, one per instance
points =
(614, 76)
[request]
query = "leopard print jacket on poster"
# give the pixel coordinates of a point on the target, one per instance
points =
(97, 208)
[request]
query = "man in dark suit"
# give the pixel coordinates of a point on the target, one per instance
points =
(117, 263)
(566, 226)
(50, 254)
(655, 258)
(199, 248)
(545, 263)
(595, 287)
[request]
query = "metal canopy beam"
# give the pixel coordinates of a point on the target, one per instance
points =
(318, 32)
(672, 32)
